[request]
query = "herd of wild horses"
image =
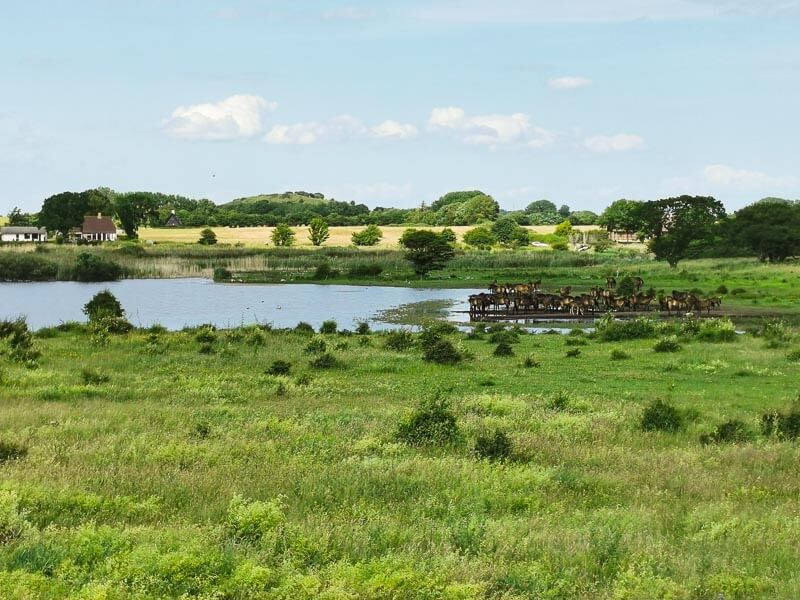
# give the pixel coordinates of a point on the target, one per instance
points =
(528, 298)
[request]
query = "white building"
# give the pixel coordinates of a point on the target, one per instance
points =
(98, 229)
(22, 234)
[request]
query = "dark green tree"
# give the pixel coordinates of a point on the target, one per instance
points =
(134, 209)
(509, 233)
(369, 236)
(480, 237)
(18, 218)
(770, 229)
(426, 250)
(622, 215)
(207, 237)
(318, 231)
(541, 206)
(282, 235)
(66, 210)
(564, 211)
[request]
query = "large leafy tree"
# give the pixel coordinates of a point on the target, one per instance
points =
(769, 228)
(282, 235)
(318, 231)
(673, 224)
(455, 198)
(66, 210)
(541, 207)
(134, 209)
(622, 215)
(19, 218)
(426, 250)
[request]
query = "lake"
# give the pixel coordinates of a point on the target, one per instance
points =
(176, 303)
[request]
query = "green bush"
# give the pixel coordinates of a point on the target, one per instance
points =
(13, 522)
(574, 353)
(206, 335)
(369, 236)
(304, 328)
(365, 270)
(667, 344)
(399, 340)
(103, 305)
(328, 327)
(794, 356)
(729, 432)
(363, 328)
(504, 336)
(252, 520)
(207, 237)
(661, 416)
(325, 360)
(612, 330)
(91, 267)
(716, 330)
(222, 274)
(93, 377)
(26, 267)
(317, 345)
(431, 423)
(496, 447)
(11, 451)
(722, 289)
(783, 425)
(442, 352)
(279, 367)
(530, 362)
(618, 354)
(503, 349)
(324, 271)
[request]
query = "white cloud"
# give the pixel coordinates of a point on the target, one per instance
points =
(622, 142)
(490, 130)
(337, 129)
(238, 116)
(579, 11)
(569, 83)
(394, 130)
(726, 175)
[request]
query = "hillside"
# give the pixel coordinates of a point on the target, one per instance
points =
(284, 198)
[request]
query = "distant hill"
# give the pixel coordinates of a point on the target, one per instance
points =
(284, 198)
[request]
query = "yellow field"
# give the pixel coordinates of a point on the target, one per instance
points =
(3, 221)
(259, 236)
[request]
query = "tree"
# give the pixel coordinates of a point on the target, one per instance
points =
(282, 235)
(318, 231)
(480, 237)
(207, 237)
(673, 224)
(454, 198)
(18, 218)
(509, 233)
(583, 217)
(448, 235)
(133, 209)
(476, 209)
(769, 228)
(426, 250)
(368, 236)
(564, 211)
(66, 210)
(102, 306)
(541, 206)
(564, 229)
(622, 215)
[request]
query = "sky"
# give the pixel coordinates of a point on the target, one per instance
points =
(394, 103)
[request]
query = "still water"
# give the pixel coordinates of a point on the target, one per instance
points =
(176, 303)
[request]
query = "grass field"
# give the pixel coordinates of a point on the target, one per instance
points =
(260, 236)
(147, 469)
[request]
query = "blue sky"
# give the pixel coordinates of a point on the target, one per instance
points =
(395, 103)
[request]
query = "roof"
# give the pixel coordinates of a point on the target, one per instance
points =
(98, 224)
(18, 230)
(174, 220)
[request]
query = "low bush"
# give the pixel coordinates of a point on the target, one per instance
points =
(716, 330)
(794, 356)
(503, 349)
(399, 340)
(26, 267)
(304, 328)
(722, 289)
(442, 352)
(729, 432)
(574, 353)
(91, 267)
(325, 360)
(13, 521)
(504, 336)
(93, 377)
(365, 270)
(363, 328)
(530, 362)
(324, 271)
(575, 341)
(783, 425)
(667, 344)
(252, 520)
(432, 423)
(495, 447)
(222, 274)
(11, 451)
(102, 305)
(316, 346)
(609, 329)
(206, 335)
(279, 367)
(328, 327)
(618, 354)
(661, 416)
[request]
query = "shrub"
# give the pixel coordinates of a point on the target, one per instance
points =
(574, 353)
(573, 341)
(505, 336)
(324, 271)
(20, 341)
(282, 235)
(369, 236)
(103, 305)
(738, 291)
(251, 520)
(777, 332)
(626, 287)
(442, 352)
(661, 416)
(206, 349)
(222, 274)
(304, 328)
(784, 425)
(729, 432)
(362, 328)
(365, 270)
(13, 522)
(207, 237)
(722, 289)
(794, 356)
(667, 344)
(324, 361)
(316, 346)
(399, 340)
(93, 377)
(611, 330)
(480, 237)
(530, 362)
(328, 327)
(618, 354)
(717, 330)
(206, 335)
(503, 349)
(90, 267)
(497, 446)
(11, 451)
(431, 423)
(279, 367)
(26, 267)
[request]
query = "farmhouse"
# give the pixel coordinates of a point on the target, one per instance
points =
(174, 220)
(98, 229)
(23, 234)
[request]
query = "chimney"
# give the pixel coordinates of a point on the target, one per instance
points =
(173, 211)
(99, 215)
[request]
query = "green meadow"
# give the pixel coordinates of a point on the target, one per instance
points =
(253, 463)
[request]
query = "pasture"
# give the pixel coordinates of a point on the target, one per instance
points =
(157, 464)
